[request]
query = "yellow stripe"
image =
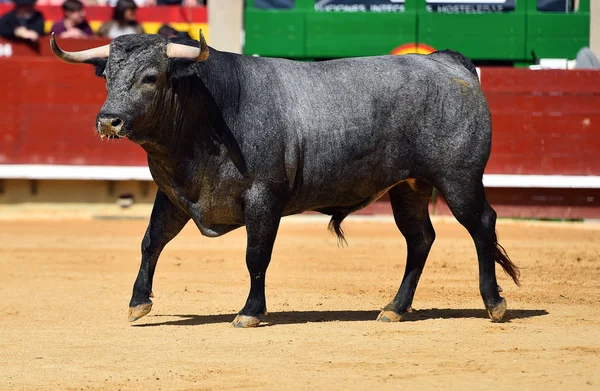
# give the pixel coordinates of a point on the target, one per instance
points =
(193, 29)
(95, 25)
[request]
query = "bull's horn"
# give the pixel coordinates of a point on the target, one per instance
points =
(78, 57)
(176, 50)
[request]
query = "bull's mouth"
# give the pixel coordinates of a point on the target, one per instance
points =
(113, 136)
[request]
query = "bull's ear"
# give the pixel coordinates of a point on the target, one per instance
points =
(180, 68)
(99, 64)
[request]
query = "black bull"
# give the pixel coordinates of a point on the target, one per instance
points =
(238, 141)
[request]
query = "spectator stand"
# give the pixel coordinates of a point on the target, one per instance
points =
(189, 19)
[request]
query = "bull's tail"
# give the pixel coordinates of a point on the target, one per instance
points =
(335, 227)
(503, 260)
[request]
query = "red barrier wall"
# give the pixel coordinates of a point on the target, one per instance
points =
(544, 122)
(47, 115)
(539, 203)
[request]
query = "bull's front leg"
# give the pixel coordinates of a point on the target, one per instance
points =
(262, 213)
(166, 222)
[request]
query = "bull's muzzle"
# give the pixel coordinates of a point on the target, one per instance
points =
(109, 125)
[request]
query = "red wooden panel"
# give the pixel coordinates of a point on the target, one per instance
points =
(50, 81)
(538, 203)
(43, 49)
(554, 82)
(544, 122)
(568, 204)
(564, 212)
(525, 144)
(10, 134)
(48, 114)
(540, 105)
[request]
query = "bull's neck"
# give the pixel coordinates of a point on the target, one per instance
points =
(209, 117)
(220, 76)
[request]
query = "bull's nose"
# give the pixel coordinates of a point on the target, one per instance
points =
(109, 125)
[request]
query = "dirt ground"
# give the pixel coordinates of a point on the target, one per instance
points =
(65, 286)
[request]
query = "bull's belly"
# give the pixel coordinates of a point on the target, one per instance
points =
(341, 199)
(216, 213)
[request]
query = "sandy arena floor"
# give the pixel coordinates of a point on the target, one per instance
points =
(65, 286)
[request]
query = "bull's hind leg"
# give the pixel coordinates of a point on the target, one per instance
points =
(166, 222)
(410, 202)
(467, 201)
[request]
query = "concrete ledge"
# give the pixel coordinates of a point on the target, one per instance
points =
(542, 181)
(142, 173)
(71, 172)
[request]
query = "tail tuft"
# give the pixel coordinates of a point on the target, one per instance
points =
(501, 257)
(335, 227)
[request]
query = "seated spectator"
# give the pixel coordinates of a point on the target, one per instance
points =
(74, 24)
(24, 22)
(167, 31)
(123, 21)
(586, 59)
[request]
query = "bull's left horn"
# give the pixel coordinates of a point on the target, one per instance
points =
(78, 57)
(176, 50)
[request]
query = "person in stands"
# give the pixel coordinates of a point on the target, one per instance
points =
(74, 24)
(23, 23)
(123, 21)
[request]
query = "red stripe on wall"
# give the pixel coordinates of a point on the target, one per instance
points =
(524, 81)
(524, 144)
(48, 112)
(544, 122)
(164, 14)
(540, 203)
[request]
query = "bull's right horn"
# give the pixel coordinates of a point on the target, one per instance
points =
(78, 57)
(177, 50)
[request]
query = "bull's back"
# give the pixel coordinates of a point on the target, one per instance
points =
(354, 127)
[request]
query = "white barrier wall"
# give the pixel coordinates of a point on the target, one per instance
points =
(595, 26)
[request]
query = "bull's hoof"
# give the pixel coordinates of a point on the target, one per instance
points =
(496, 313)
(245, 321)
(389, 316)
(138, 311)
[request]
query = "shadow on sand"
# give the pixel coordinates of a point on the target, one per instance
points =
(296, 317)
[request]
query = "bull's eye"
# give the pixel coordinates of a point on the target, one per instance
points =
(149, 79)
